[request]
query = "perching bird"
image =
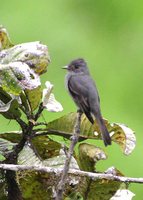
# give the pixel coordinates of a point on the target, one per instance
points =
(83, 90)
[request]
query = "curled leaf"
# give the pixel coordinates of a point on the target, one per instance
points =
(124, 136)
(13, 112)
(47, 92)
(4, 107)
(53, 105)
(89, 155)
(49, 101)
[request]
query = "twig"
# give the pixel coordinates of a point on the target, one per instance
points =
(42, 132)
(79, 173)
(40, 110)
(74, 140)
(67, 135)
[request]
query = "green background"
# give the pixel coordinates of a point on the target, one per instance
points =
(109, 35)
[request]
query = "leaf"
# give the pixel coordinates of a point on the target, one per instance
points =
(45, 147)
(10, 110)
(13, 136)
(28, 157)
(46, 92)
(17, 76)
(89, 155)
(35, 185)
(49, 101)
(53, 105)
(124, 136)
(4, 39)
(9, 105)
(59, 161)
(33, 54)
(8, 81)
(123, 195)
(2, 158)
(13, 111)
(66, 124)
(4, 107)
(51, 152)
(101, 189)
(5, 148)
(4, 96)
(34, 97)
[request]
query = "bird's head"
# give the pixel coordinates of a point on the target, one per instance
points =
(77, 66)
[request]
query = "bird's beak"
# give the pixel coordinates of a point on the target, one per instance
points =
(65, 67)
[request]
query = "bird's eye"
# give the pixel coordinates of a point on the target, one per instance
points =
(76, 66)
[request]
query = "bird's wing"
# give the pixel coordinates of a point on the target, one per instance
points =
(78, 87)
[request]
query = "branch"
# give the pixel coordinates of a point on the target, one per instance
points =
(22, 124)
(58, 171)
(42, 132)
(74, 140)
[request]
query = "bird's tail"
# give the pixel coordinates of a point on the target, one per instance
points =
(105, 134)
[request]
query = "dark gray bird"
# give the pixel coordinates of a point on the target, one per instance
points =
(83, 90)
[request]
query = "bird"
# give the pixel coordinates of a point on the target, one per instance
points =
(84, 93)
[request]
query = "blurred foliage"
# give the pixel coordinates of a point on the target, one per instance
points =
(106, 33)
